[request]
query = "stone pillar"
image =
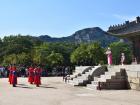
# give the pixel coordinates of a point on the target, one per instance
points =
(136, 49)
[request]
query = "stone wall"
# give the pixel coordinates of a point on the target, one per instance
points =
(132, 74)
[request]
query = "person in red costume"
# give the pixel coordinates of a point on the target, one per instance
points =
(10, 73)
(37, 77)
(31, 75)
(14, 76)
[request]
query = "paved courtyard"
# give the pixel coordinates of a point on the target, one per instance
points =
(54, 92)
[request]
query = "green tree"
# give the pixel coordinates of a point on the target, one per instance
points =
(120, 47)
(23, 58)
(96, 53)
(80, 55)
(88, 54)
(10, 59)
(41, 52)
(55, 59)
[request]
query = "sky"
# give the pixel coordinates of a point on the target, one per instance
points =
(61, 18)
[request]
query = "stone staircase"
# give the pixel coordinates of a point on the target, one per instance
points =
(83, 78)
(79, 70)
(115, 79)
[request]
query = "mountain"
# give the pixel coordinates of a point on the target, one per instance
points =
(84, 35)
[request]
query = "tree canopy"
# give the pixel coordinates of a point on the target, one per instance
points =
(27, 49)
(88, 54)
(118, 48)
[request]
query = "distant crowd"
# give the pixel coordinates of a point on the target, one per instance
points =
(22, 71)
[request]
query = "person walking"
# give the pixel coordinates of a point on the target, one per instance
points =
(14, 76)
(10, 73)
(37, 76)
(31, 74)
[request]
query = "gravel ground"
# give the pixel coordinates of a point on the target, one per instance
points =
(54, 92)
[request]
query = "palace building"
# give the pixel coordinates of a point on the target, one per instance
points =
(131, 31)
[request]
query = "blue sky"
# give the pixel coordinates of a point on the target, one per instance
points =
(59, 18)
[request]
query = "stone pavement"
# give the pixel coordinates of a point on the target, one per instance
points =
(54, 92)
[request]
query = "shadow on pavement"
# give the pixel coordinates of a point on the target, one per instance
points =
(22, 84)
(26, 87)
(48, 87)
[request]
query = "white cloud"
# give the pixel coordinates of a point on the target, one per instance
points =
(124, 17)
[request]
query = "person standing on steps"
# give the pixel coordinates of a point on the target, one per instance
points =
(109, 56)
(122, 58)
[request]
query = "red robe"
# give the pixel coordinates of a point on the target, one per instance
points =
(14, 76)
(37, 77)
(31, 75)
(10, 74)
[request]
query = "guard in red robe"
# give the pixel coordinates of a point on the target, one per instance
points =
(37, 77)
(31, 75)
(14, 76)
(10, 74)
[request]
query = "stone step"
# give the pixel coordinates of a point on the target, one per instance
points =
(86, 75)
(116, 80)
(91, 86)
(115, 69)
(93, 69)
(80, 83)
(74, 83)
(86, 72)
(78, 79)
(114, 85)
(119, 74)
(94, 82)
(106, 76)
(101, 79)
(110, 73)
(71, 82)
(96, 78)
(110, 80)
(108, 85)
(82, 78)
(118, 77)
(112, 76)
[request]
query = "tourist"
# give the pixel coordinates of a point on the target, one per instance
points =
(134, 60)
(5, 72)
(22, 71)
(2, 71)
(122, 58)
(109, 56)
(63, 72)
(31, 75)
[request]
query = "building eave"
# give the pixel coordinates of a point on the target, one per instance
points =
(126, 35)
